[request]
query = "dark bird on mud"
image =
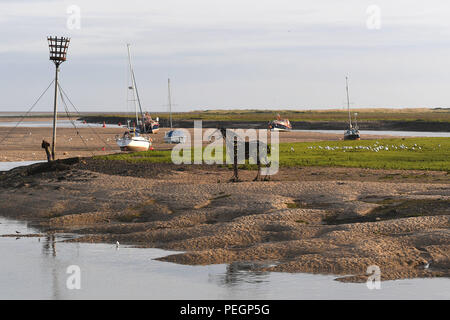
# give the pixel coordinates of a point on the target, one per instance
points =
(17, 232)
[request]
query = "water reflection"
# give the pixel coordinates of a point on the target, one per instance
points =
(386, 133)
(49, 245)
(238, 272)
(49, 124)
(5, 166)
(55, 271)
(36, 269)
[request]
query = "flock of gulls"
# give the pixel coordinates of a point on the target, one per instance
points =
(376, 147)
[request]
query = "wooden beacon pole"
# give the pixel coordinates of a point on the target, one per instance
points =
(55, 113)
(58, 51)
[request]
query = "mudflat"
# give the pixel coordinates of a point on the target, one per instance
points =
(319, 220)
(24, 143)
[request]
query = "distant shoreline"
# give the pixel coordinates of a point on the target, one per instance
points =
(381, 125)
(374, 119)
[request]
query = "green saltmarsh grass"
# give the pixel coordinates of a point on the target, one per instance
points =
(364, 114)
(408, 153)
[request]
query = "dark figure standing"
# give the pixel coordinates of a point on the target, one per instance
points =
(45, 145)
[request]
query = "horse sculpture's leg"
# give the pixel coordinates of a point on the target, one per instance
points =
(267, 177)
(258, 175)
(258, 162)
(235, 161)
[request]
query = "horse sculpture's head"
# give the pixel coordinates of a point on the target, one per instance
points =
(223, 131)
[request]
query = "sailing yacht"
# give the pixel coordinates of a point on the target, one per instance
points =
(173, 136)
(280, 124)
(150, 125)
(352, 133)
(131, 139)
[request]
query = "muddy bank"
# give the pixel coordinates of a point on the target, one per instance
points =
(319, 220)
(385, 125)
(24, 144)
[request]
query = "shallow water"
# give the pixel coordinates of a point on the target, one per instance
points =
(49, 124)
(79, 124)
(386, 133)
(37, 268)
(5, 166)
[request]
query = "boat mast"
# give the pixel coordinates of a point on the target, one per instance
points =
(136, 92)
(170, 103)
(348, 104)
(133, 86)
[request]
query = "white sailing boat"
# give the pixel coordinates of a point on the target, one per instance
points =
(131, 139)
(173, 136)
(352, 133)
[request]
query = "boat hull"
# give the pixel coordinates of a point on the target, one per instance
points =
(133, 145)
(280, 129)
(175, 136)
(277, 126)
(352, 137)
(154, 128)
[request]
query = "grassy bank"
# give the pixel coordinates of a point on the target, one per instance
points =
(320, 115)
(413, 153)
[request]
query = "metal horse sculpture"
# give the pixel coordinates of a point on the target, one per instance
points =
(247, 145)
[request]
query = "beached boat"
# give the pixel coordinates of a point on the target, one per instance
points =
(146, 124)
(173, 136)
(280, 124)
(132, 141)
(150, 125)
(352, 133)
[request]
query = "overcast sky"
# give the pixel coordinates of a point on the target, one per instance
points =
(230, 54)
